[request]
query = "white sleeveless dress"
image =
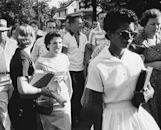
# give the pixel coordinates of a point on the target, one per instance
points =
(60, 118)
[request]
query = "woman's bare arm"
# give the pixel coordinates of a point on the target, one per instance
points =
(155, 65)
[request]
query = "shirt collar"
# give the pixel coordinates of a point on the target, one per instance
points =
(71, 33)
(108, 54)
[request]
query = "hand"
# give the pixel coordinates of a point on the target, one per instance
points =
(148, 92)
(46, 92)
(50, 93)
(143, 96)
(58, 98)
(138, 99)
(85, 101)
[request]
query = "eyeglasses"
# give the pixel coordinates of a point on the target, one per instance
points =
(127, 35)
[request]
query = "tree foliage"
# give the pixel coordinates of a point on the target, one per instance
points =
(62, 4)
(139, 6)
(86, 3)
(43, 12)
(19, 11)
(91, 3)
(53, 11)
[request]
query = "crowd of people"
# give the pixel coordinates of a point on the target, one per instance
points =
(94, 68)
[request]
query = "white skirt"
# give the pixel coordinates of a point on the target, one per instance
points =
(124, 116)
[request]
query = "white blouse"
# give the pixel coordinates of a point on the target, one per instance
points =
(116, 78)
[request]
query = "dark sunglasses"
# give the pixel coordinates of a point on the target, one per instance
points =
(127, 35)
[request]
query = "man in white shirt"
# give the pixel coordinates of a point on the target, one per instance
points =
(73, 45)
(39, 48)
(7, 49)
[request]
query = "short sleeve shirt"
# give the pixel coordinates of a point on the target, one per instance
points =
(6, 54)
(115, 78)
(21, 65)
(75, 52)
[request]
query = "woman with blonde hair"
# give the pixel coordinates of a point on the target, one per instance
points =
(22, 110)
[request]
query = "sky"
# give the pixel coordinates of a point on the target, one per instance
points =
(55, 3)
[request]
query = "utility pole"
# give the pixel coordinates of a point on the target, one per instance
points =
(38, 18)
(94, 6)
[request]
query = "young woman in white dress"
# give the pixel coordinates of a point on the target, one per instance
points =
(112, 78)
(57, 63)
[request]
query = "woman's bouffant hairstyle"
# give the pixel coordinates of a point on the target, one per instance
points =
(148, 14)
(24, 30)
(116, 17)
(49, 37)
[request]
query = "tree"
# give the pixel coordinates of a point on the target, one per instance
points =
(140, 6)
(53, 11)
(27, 13)
(86, 3)
(16, 10)
(94, 6)
(43, 12)
(24, 10)
(62, 4)
(91, 3)
(7, 11)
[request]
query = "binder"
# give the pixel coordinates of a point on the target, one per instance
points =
(143, 79)
(142, 83)
(41, 79)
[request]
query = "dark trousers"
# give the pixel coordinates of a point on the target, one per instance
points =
(78, 87)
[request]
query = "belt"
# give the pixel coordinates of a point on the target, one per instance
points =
(2, 83)
(1, 73)
(118, 105)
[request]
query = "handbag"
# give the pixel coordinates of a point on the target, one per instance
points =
(44, 106)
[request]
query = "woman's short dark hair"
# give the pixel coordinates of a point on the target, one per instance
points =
(148, 14)
(49, 37)
(116, 17)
